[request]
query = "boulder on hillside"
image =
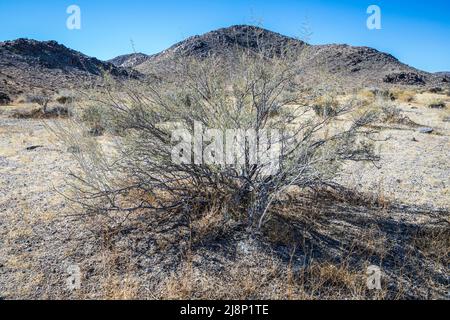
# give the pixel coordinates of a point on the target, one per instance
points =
(405, 78)
(4, 99)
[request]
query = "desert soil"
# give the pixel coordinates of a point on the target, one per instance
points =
(40, 237)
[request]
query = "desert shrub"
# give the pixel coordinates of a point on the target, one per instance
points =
(366, 96)
(437, 104)
(58, 111)
(39, 99)
(31, 112)
(158, 167)
(436, 90)
(326, 106)
(65, 98)
(94, 117)
(402, 95)
(391, 114)
(388, 112)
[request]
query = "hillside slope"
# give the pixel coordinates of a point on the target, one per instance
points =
(129, 60)
(30, 65)
(349, 66)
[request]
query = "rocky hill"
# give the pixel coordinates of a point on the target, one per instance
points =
(352, 66)
(129, 60)
(349, 66)
(221, 42)
(30, 65)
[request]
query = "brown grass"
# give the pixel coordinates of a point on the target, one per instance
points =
(402, 95)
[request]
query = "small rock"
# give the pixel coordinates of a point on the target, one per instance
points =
(414, 139)
(30, 148)
(73, 149)
(426, 130)
(95, 132)
(4, 99)
(407, 78)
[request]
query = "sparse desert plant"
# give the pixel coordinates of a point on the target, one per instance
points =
(436, 90)
(58, 111)
(250, 91)
(388, 112)
(41, 99)
(366, 96)
(402, 95)
(437, 104)
(93, 116)
(326, 106)
(65, 97)
(30, 111)
(391, 114)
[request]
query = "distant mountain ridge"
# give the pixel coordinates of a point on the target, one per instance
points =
(216, 42)
(129, 60)
(349, 65)
(28, 65)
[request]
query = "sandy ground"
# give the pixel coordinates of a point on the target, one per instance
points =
(414, 167)
(35, 233)
(40, 239)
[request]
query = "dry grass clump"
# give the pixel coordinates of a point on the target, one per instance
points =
(32, 112)
(272, 281)
(43, 105)
(316, 245)
(402, 95)
(65, 97)
(366, 97)
(94, 117)
(326, 106)
(428, 98)
(391, 114)
(385, 111)
(396, 94)
(434, 242)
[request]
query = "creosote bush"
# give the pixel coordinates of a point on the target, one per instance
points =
(41, 99)
(251, 91)
(94, 117)
(326, 106)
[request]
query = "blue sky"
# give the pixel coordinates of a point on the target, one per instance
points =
(416, 32)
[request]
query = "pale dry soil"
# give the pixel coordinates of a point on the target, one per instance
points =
(414, 167)
(41, 235)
